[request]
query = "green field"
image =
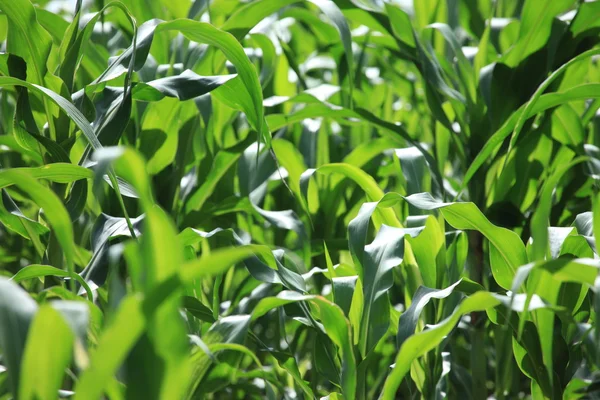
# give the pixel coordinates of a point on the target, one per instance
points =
(299, 199)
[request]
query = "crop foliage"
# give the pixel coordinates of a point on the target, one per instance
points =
(342, 199)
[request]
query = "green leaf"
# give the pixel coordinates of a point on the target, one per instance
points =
(343, 292)
(534, 32)
(564, 269)
(38, 271)
(27, 38)
(54, 210)
(160, 134)
(331, 10)
(17, 307)
(366, 151)
(197, 309)
(429, 249)
(104, 229)
(507, 252)
(65, 105)
(219, 261)
(161, 254)
(566, 126)
(379, 258)
(415, 170)
(13, 218)
(409, 319)
(401, 25)
(223, 162)
(541, 215)
(59, 172)
(43, 366)
(113, 347)
(586, 19)
(366, 183)
(537, 103)
(335, 325)
(228, 330)
(185, 86)
(205, 33)
(269, 57)
(128, 164)
(246, 17)
(419, 344)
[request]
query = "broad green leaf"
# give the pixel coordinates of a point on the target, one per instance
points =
(538, 102)
(596, 217)
(586, 18)
(59, 172)
(43, 366)
(401, 24)
(160, 134)
(27, 38)
(419, 344)
(197, 309)
(409, 319)
(507, 251)
(415, 170)
(161, 254)
(366, 151)
(343, 292)
(539, 220)
(331, 10)
(466, 75)
(379, 258)
(113, 347)
(185, 86)
(72, 49)
(223, 161)
(64, 104)
(429, 11)
(13, 218)
(566, 127)
(366, 183)
(53, 208)
(38, 271)
(536, 23)
(246, 17)
(17, 307)
(430, 253)
(219, 261)
(268, 59)
(228, 330)
(206, 33)
(564, 269)
(128, 164)
(290, 159)
(334, 324)
(105, 228)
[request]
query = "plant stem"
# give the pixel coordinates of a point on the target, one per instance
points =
(115, 184)
(478, 357)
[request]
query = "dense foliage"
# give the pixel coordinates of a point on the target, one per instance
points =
(353, 199)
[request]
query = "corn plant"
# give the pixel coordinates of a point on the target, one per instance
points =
(283, 199)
